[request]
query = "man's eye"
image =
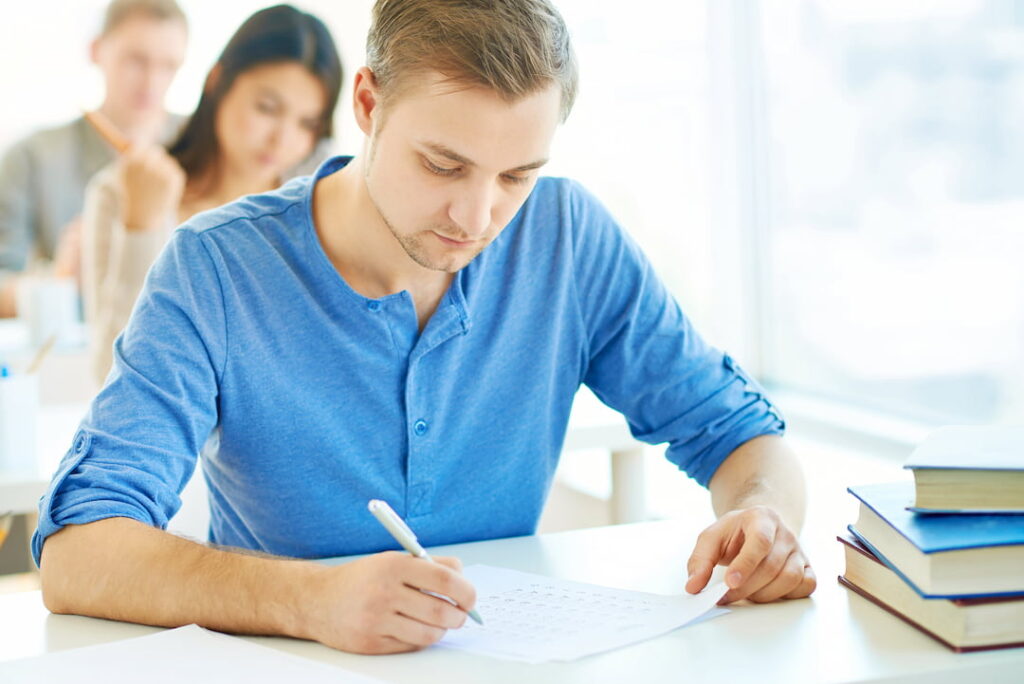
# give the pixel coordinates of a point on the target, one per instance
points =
(440, 170)
(517, 179)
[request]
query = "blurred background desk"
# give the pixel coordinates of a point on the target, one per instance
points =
(65, 387)
(20, 489)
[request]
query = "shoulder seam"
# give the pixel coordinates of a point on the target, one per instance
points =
(187, 227)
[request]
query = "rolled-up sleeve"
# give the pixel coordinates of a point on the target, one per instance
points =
(138, 445)
(646, 360)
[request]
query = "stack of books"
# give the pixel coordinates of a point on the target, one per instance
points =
(946, 552)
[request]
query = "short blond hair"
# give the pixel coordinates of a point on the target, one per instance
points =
(514, 47)
(119, 10)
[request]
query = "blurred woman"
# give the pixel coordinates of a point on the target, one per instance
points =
(266, 104)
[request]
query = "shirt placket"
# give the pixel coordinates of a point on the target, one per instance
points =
(425, 411)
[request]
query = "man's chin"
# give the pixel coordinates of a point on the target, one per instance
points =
(447, 263)
(442, 260)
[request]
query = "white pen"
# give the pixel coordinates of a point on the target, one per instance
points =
(397, 528)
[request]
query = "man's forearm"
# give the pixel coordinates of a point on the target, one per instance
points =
(121, 569)
(763, 471)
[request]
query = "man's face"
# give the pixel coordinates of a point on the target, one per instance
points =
(139, 59)
(452, 165)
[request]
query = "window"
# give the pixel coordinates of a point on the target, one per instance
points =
(893, 228)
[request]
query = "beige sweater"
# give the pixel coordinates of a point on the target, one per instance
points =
(115, 262)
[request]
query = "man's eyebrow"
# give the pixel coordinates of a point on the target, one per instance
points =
(454, 156)
(531, 166)
(448, 153)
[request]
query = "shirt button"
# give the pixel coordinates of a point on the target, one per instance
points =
(373, 306)
(79, 444)
(420, 427)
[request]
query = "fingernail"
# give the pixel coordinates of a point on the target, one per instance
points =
(734, 579)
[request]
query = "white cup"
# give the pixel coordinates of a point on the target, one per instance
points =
(19, 409)
(49, 306)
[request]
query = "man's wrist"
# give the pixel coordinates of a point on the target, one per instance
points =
(753, 493)
(294, 591)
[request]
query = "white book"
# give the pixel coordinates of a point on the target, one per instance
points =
(969, 469)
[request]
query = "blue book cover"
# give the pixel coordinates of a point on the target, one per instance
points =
(973, 596)
(937, 533)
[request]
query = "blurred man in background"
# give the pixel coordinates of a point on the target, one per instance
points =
(43, 177)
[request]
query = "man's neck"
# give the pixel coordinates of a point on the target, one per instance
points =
(362, 242)
(141, 130)
(362, 247)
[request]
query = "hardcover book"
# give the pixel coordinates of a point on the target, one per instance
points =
(946, 556)
(960, 624)
(961, 469)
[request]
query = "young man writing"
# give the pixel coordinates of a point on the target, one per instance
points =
(409, 325)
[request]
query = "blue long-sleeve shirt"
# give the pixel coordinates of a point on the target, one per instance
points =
(323, 399)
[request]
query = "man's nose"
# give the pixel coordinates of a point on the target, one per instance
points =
(472, 208)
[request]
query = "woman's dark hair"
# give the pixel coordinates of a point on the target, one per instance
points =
(276, 34)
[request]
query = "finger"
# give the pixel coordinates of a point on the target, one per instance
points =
(439, 579)
(132, 151)
(449, 561)
(377, 645)
(787, 579)
(758, 539)
(412, 632)
(807, 585)
(428, 609)
(706, 554)
(783, 547)
(765, 573)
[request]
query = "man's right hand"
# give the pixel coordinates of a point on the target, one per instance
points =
(376, 605)
(152, 183)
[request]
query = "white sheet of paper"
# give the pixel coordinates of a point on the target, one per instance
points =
(538, 619)
(175, 656)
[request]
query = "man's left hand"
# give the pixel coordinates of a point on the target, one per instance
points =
(764, 558)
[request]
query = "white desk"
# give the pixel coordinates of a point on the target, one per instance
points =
(833, 637)
(65, 386)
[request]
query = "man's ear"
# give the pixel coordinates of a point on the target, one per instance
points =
(94, 51)
(212, 79)
(365, 100)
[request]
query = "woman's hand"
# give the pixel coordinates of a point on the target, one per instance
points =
(152, 182)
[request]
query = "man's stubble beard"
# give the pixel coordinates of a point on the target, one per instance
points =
(413, 244)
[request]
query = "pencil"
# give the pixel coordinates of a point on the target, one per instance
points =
(40, 356)
(107, 130)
